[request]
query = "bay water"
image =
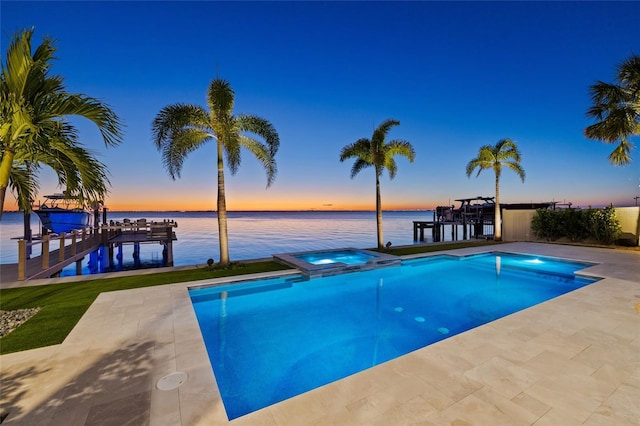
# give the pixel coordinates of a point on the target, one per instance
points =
(252, 235)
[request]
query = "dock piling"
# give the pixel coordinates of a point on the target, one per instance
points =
(45, 252)
(73, 243)
(62, 245)
(22, 259)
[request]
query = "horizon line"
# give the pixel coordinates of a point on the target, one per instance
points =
(293, 210)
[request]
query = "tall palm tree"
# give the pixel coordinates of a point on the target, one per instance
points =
(378, 153)
(179, 129)
(616, 107)
(34, 131)
(504, 154)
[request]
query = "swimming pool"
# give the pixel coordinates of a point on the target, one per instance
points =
(272, 339)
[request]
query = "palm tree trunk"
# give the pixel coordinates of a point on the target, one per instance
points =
(5, 171)
(379, 213)
(3, 191)
(497, 225)
(222, 211)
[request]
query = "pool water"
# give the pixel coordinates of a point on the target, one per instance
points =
(270, 340)
(348, 257)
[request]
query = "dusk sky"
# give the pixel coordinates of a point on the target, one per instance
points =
(457, 75)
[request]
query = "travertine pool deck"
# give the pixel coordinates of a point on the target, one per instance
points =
(572, 360)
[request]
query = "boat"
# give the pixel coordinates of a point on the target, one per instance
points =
(60, 214)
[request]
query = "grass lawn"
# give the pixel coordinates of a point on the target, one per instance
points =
(62, 305)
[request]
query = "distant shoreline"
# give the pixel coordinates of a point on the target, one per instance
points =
(254, 211)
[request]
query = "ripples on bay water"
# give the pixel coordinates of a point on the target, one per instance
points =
(252, 235)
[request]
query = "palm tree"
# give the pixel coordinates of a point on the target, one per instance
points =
(179, 129)
(34, 131)
(379, 154)
(616, 107)
(504, 154)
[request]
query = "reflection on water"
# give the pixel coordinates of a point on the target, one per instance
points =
(251, 234)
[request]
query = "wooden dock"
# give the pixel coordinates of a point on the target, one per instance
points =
(418, 229)
(474, 222)
(60, 251)
(51, 261)
(475, 217)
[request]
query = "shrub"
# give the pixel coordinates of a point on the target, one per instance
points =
(546, 225)
(574, 223)
(603, 225)
(600, 224)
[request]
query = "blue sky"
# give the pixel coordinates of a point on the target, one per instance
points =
(457, 75)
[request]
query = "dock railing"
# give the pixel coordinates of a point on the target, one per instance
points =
(55, 246)
(140, 226)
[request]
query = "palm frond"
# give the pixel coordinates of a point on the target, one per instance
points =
(359, 165)
(44, 53)
(263, 154)
(19, 62)
(183, 142)
(616, 123)
(78, 169)
(174, 118)
(476, 163)
(262, 128)
(606, 97)
(391, 166)
(360, 149)
(24, 184)
(403, 148)
(516, 167)
(629, 74)
(232, 144)
(380, 133)
(506, 149)
(220, 98)
(98, 112)
(485, 160)
(616, 107)
(621, 156)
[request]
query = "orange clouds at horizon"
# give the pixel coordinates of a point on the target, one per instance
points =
(276, 205)
(159, 198)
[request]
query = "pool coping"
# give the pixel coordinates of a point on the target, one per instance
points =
(572, 359)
